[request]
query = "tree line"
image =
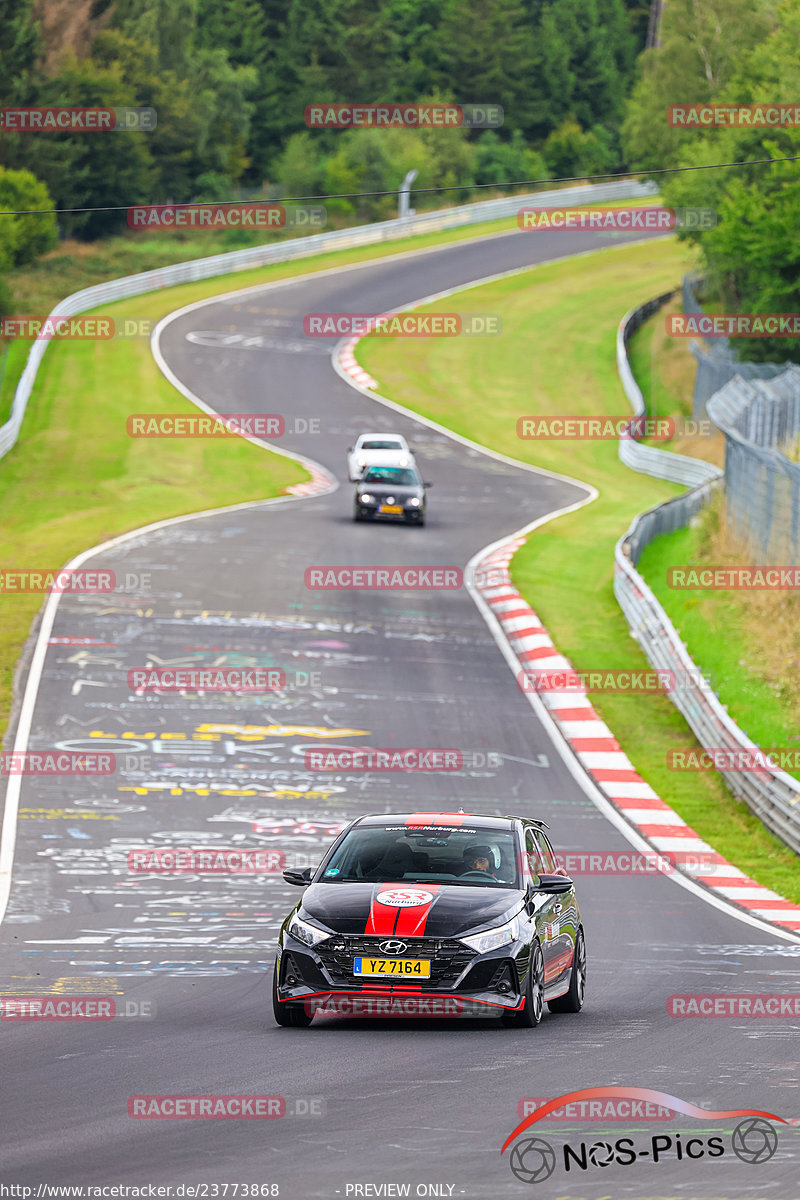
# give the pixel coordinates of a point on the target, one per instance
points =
(230, 80)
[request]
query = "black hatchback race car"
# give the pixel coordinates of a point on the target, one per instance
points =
(433, 914)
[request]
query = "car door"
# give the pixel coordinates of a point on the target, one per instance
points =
(545, 917)
(563, 915)
(353, 469)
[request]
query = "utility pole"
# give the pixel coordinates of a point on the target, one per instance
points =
(404, 197)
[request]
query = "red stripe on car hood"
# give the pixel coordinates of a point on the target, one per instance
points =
(384, 920)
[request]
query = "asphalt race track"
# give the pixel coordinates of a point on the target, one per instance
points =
(367, 1102)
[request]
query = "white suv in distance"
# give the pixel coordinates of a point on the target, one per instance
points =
(378, 450)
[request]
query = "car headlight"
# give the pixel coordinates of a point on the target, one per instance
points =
(403, 461)
(414, 502)
(310, 934)
(493, 939)
(365, 498)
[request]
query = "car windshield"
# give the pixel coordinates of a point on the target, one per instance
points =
(396, 476)
(387, 444)
(464, 856)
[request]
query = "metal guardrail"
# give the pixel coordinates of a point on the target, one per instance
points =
(318, 243)
(649, 460)
(771, 794)
(762, 485)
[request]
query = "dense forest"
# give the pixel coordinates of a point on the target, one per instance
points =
(230, 80)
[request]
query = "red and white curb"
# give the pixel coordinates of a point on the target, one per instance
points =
(319, 483)
(601, 756)
(347, 361)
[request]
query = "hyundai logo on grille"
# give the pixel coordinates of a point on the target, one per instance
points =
(393, 946)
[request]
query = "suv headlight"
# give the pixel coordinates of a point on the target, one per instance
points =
(365, 498)
(414, 502)
(493, 939)
(310, 934)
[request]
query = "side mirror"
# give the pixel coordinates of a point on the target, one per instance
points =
(554, 884)
(300, 878)
(426, 484)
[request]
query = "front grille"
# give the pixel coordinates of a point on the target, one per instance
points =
(448, 959)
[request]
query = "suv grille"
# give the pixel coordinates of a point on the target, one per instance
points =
(448, 959)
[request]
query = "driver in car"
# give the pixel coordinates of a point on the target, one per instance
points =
(479, 858)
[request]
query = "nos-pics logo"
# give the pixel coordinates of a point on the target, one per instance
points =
(533, 1160)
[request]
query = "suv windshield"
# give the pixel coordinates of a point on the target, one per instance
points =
(433, 854)
(397, 476)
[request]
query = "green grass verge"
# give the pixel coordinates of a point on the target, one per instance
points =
(664, 394)
(716, 631)
(479, 387)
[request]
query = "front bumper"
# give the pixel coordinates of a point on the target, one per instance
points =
(369, 512)
(473, 984)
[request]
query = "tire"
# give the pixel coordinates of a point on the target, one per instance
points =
(290, 1016)
(572, 1001)
(532, 1010)
(356, 515)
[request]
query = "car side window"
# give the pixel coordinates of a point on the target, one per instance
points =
(548, 856)
(533, 855)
